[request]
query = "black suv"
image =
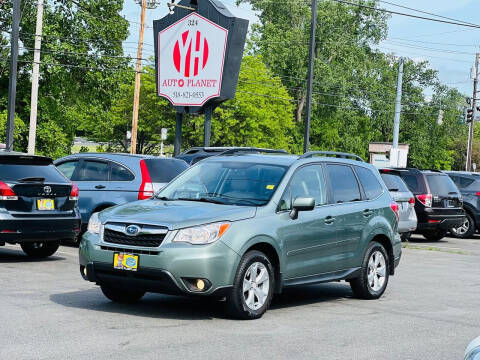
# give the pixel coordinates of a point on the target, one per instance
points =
(38, 205)
(438, 202)
(469, 185)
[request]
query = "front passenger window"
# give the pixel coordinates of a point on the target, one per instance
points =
(306, 182)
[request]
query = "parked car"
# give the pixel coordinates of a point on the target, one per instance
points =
(107, 179)
(400, 193)
(195, 154)
(469, 186)
(245, 226)
(438, 202)
(38, 205)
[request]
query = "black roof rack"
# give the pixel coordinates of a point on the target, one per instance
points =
(331, 153)
(252, 150)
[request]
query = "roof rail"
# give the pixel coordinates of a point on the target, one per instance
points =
(331, 153)
(252, 150)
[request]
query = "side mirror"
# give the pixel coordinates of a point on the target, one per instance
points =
(301, 204)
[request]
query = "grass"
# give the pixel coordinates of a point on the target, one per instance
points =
(408, 245)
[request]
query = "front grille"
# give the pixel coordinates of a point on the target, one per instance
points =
(133, 251)
(144, 240)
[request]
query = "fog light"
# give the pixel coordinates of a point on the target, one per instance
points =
(85, 271)
(200, 284)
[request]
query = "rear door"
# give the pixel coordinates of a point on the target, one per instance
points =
(444, 192)
(41, 189)
(92, 178)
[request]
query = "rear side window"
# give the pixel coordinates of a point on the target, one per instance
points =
(120, 173)
(164, 170)
(17, 172)
(464, 182)
(370, 184)
(394, 183)
(68, 168)
(343, 183)
(412, 182)
(441, 185)
(93, 171)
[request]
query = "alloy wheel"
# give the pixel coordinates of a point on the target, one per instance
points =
(256, 284)
(376, 271)
(462, 229)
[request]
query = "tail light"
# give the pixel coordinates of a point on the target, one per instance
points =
(411, 202)
(74, 193)
(477, 194)
(6, 192)
(425, 199)
(146, 188)
(394, 207)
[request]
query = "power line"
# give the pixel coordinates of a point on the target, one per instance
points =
(408, 15)
(426, 12)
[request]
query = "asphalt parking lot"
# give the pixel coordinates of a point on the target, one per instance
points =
(430, 311)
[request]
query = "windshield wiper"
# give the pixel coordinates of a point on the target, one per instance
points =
(164, 198)
(250, 201)
(202, 199)
(32, 179)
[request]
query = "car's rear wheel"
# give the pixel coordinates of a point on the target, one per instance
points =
(466, 230)
(40, 249)
(253, 286)
(121, 295)
(374, 274)
(434, 235)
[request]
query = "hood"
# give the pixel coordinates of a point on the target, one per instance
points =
(175, 214)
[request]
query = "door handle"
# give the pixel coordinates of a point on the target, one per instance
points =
(367, 212)
(329, 220)
(100, 187)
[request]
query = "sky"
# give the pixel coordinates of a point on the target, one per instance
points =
(450, 49)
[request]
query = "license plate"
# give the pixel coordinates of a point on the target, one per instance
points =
(122, 261)
(45, 204)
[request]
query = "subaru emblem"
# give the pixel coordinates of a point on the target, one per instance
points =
(47, 189)
(132, 230)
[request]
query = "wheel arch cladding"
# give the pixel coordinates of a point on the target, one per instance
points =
(387, 244)
(272, 255)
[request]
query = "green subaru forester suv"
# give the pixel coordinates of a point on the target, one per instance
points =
(246, 224)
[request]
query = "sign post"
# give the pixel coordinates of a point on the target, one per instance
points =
(198, 52)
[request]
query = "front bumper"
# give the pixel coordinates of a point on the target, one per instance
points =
(161, 270)
(19, 230)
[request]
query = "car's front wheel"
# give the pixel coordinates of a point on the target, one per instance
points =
(253, 287)
(40, 249)
(374, 274)
(120, 295)
(465, 230)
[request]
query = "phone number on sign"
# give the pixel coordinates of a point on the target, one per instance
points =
(189, 94)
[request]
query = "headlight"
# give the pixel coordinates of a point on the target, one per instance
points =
(204, 234)
(94, 224)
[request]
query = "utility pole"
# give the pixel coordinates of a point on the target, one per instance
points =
(306, 142)
(468, 166)
(398, 104)
(35, 75)
(136, 96)
(12, 82)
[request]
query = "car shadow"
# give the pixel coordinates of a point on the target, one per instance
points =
(419, 239)
(195, 308)
(17, 256)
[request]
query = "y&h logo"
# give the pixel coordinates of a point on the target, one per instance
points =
(190, 52)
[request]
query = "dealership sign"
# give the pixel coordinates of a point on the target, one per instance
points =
(191, 55)
(198, 55)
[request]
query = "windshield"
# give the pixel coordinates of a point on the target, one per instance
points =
(226, 182)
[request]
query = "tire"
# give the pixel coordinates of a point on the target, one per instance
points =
(434, 235)
(40, 249)
(365, 286)
(247, 304)
(466, 230)
(406, 236)
(121, 295)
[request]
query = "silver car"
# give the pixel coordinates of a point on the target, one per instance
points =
(473, 350)
(406, 202)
